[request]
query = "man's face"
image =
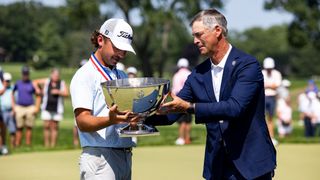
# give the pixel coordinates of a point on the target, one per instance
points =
(204, 38)
(25, 76)
(111, 55)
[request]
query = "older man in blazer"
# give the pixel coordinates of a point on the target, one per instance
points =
(226, 93)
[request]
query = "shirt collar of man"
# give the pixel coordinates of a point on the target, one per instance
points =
(223, 61)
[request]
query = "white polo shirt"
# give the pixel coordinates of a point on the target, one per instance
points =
(86, 92)
(274, 78)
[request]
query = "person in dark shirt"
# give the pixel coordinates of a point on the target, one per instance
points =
(53, 91)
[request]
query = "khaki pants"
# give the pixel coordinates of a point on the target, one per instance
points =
(25, 116)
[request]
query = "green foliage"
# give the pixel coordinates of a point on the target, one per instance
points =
(305, 25)
(272, 42)
(60, 36)
(82, 13)
(52, 46)
(18, 31)
(161, 22)
(78, 47)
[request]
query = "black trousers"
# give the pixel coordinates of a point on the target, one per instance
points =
(309, 127)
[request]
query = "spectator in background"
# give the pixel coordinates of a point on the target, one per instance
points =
(25, 106)
(303, 105)
(312, 87)
(3, 147)
(314, 116)
(6, 108)
(82, 62)
(284, 110)
(53, 90)
(272, 80)
(131, 71)
(185, 120)
(121, 66)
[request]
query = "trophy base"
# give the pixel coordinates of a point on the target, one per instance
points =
(143, 130)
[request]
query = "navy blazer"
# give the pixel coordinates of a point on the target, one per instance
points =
(241, 107)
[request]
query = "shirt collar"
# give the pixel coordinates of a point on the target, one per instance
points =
(223, 61)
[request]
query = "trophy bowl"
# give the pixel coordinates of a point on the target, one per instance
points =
(138, 95)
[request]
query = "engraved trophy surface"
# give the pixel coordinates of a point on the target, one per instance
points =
(139, 95)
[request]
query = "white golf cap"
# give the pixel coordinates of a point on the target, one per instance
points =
(268, 63)
(120, 66)
(119, 32)
(183, 62)
(132, 70)
(7, 76)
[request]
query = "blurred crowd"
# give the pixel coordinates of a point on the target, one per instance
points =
(21, 101)
(279, 106)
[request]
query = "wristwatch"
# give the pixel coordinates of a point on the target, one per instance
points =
(191, 108)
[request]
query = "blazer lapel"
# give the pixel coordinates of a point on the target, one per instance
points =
(208, 85)
(206, 79)
(227, 72)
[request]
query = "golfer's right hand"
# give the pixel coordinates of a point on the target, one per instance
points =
(117, 117)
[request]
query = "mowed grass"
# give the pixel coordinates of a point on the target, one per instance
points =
(295, 162)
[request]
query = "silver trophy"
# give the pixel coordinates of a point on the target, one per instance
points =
(138, 95)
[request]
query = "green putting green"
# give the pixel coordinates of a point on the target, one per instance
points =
(295, 162)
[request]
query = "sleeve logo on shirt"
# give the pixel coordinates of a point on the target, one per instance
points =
(125, 35)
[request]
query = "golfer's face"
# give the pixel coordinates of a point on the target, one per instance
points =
(113, 54)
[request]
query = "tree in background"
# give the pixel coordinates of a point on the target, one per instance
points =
(18, 30)
(51, 47)
(305, 26)
(272, 42)
(163, 31)
(60, 36)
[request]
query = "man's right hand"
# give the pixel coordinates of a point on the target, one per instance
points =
(117, 117)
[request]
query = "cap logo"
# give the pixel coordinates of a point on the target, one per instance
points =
(125, 35)
(106, 32)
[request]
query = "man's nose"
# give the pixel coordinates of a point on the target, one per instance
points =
(196, 40)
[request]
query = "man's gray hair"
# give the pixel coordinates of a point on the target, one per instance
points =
(211, 18)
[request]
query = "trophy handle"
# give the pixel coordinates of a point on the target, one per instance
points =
(165, 91)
